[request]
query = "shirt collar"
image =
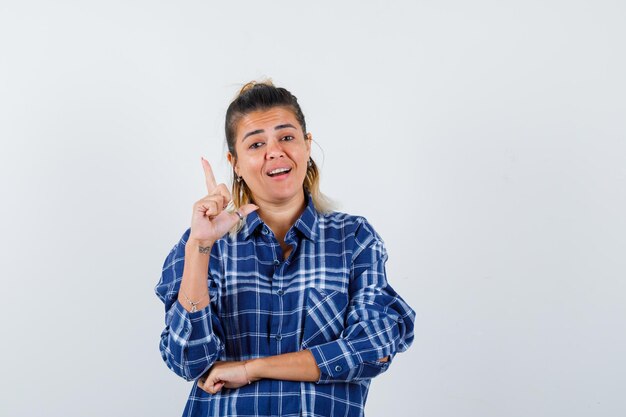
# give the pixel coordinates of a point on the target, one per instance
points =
(307, 223)
(252, 222)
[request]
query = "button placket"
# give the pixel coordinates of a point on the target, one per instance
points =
(277, 291)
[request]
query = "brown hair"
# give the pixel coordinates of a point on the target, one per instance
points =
(262, 96)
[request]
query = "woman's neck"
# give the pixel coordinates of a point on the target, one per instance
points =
(281, 216)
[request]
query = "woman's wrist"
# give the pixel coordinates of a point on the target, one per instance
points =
(254, 369)
(245, 370)
(201, 246)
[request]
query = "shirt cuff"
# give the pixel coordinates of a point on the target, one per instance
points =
(335, 359)
(189, 328)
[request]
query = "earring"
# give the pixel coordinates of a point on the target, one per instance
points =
(310, 163)
(239, 179)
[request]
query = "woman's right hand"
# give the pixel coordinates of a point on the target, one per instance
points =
(210, 221)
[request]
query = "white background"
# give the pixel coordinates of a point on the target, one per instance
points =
(484, 140)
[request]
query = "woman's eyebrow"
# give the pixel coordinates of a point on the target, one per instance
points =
(254, 132)
(286, 125)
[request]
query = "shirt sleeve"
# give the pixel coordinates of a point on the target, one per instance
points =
(190, 342)
(379, 323)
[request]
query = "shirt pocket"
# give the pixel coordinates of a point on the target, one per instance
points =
(325, 314)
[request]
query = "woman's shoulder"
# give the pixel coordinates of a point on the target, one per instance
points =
(340, 217)
(347, 223)
(355, 232)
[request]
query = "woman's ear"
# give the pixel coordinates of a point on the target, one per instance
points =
(233, 162)
(308, 139)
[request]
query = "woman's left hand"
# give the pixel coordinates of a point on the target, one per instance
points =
(229, 374)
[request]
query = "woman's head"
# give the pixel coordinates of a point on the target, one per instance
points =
(269, 147)
(259, 96)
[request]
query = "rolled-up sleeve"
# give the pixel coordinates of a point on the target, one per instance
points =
(378, 322)
(190, 342)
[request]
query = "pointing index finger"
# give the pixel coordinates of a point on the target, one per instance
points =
(211, 184)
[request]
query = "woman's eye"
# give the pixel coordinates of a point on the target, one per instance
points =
(288, 138)
(256, 145)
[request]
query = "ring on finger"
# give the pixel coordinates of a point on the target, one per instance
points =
(239, 215)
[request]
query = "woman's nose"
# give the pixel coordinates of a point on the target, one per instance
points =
(274, 150)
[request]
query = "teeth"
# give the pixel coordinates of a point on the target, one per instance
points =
(279, 171)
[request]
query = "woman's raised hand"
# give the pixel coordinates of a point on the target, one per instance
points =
(210, 221)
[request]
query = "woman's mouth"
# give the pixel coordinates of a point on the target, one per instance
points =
(277, 172)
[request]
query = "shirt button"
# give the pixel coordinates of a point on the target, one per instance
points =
(276, 262)
(280, 292)
(266, 231)
(279, 337)
(186, 330)
(338, 368)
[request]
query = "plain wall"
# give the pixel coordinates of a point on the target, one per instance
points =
(485, 141)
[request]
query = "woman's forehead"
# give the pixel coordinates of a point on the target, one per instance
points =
(266, 119)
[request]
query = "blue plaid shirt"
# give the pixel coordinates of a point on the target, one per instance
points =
(330, 296)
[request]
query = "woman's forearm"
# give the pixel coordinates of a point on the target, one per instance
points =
(294, 366)
(195, 272)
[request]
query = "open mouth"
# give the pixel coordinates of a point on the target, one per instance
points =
(278, 172)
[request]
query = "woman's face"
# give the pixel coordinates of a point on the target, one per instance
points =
(272, 154)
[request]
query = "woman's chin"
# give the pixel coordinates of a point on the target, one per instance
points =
(280, 196)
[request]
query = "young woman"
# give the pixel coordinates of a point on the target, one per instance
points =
(274, 304)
